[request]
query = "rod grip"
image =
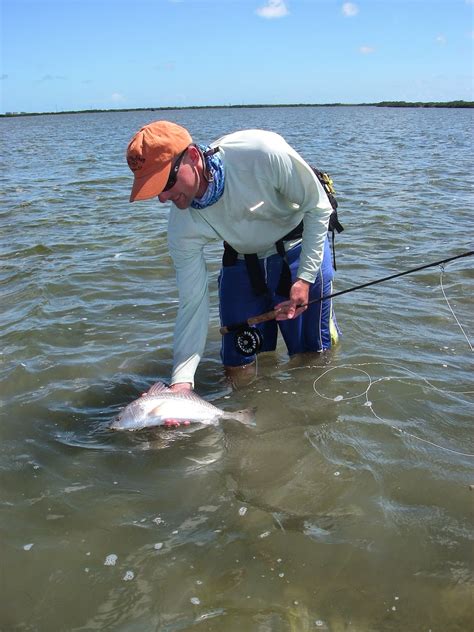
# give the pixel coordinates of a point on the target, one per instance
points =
(253, 320)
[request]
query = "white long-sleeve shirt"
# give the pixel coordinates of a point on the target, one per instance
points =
(268, 190)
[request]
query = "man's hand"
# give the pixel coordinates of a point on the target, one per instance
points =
(180, 387)
(299, 296)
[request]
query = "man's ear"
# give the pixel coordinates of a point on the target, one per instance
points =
(194, 155)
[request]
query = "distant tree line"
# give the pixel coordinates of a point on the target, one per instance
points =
(380, 104)
(422, 104)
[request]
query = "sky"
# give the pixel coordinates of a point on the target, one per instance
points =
(61, 55)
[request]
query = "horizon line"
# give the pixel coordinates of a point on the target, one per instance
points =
(459, 103)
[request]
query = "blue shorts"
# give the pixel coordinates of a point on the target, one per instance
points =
(314, 330)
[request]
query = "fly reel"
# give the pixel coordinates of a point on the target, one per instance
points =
(248, 341)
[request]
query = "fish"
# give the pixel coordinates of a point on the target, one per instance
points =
(160, 405)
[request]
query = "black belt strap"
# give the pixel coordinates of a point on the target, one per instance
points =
(284, 283)
(254, 270)
(255, 274)
(230, 255)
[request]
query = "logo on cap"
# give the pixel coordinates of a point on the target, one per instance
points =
(135, 162)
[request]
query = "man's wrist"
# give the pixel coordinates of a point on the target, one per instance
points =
(303, 282)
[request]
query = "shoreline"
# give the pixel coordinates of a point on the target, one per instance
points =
(396, 104)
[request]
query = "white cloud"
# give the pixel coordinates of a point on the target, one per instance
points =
(117, 97)
(441, 39)
(349, 9)
(366, 50)
(273, 9)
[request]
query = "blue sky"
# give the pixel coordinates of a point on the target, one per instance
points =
(80, 54)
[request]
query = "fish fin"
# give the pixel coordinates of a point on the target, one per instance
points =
(245, 416)
(157, 388)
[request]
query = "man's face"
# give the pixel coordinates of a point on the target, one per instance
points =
(187, 183)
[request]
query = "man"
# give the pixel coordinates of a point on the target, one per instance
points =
(253, 191)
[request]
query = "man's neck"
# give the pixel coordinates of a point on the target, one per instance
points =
(203, 183)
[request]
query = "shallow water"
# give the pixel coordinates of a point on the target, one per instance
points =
(348, 507)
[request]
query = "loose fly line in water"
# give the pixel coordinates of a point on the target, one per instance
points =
(451, 309)
(370, 404)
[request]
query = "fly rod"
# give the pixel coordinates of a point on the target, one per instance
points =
(254, 320)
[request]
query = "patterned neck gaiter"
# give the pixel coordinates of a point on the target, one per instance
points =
(216, 175)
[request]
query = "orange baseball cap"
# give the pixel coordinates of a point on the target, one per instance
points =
(150, 155)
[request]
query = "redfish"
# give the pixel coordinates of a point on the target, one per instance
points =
(160, 406)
